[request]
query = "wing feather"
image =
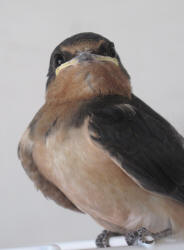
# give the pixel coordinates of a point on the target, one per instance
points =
(147, 147)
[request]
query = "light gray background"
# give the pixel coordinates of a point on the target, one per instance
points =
(149, 36)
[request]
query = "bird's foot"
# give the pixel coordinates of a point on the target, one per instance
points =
(102, 240)
(144, 237)
(141, 235)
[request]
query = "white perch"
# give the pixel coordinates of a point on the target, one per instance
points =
(90, 244)
(167, 244)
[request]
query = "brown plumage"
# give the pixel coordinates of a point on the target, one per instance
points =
(61, 153)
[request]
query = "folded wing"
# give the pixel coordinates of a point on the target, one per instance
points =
(143, 143)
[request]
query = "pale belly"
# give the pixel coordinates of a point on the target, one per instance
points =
(97, 186)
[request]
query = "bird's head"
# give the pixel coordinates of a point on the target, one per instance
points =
(84, 66)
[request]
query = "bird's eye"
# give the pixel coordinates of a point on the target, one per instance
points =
(107, 50)
(112, 52)
(103, 50)
(58, 60)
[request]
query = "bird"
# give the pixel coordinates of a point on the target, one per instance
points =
(95, 147)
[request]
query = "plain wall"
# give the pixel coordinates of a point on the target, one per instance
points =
(149, 36)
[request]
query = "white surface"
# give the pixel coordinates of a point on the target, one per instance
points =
(116, 243)
(149, 37)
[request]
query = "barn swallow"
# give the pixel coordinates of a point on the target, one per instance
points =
(96, 148)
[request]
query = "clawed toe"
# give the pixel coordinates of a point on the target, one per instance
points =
(141, 236)
(102, 240)
(144, 237)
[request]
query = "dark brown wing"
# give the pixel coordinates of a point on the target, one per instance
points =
(146, 146)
